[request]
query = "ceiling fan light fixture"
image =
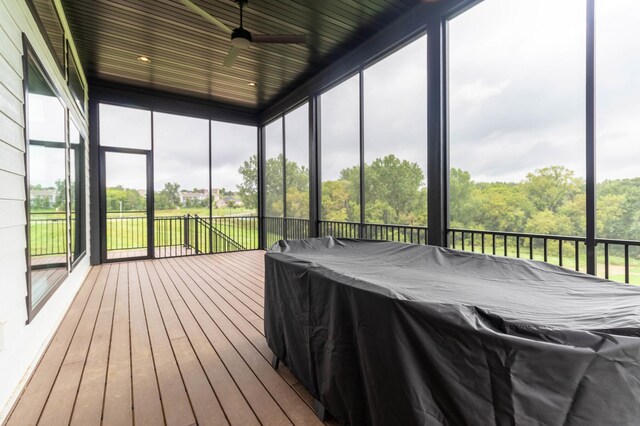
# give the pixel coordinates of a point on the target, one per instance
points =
(252, 83)
(241, 38)
(144, 59)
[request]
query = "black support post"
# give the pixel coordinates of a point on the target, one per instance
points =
(284, 180)
(437, 137)
(362, 174)
(94, 183)
(151, 250)
(590, 141)
(262, 235)
(314, 166)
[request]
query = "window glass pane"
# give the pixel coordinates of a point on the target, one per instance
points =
(297, 146)
(517, 117)
(47, 179)
(618, 132)
(76, 191)
(340, 138)
(125, 127)
(395, 130)
(273, 173)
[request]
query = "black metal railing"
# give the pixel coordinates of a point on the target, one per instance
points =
(183, 235)
(47, 233)
(339, 229)
(619, 257)
(375, 231)
(557, 249)
(618, 260)
(203, 236)
(273, 230)
(297, 228)
(126, 233)
(401, 233)
(240, 230)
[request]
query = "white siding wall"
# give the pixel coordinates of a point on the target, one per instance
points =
(22, 344)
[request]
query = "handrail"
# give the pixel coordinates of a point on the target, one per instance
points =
(518, 234)
(219, 234)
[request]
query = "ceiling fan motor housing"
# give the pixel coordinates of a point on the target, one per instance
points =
(241, 38)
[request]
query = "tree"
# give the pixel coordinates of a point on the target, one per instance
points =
(125, 198)
(248, 189)
(394, 191)
(551, 187)
(61, 196)
(462, 206)
(169, 197)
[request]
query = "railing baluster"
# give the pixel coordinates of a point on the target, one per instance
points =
(560, 242)
(606, 260)
(626, 263)
(544, 242)
(518, 247)
(531, 248)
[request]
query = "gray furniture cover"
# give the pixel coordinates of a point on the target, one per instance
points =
(395, 334)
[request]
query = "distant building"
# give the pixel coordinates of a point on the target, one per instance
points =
(215, 193)
(142, 192)
(231, 200)
(200, 195)
(47, 194)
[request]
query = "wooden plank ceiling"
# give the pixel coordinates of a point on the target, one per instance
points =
(187, 52)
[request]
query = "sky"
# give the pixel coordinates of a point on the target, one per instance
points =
(517, 103)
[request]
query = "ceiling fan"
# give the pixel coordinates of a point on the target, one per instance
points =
(241, 38)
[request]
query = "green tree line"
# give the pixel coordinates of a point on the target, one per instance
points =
(549, 200)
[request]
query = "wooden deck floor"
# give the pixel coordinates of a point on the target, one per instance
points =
(173, 341)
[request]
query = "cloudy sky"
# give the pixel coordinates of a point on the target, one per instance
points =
(517, 80)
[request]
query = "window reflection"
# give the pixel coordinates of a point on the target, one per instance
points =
(47, 177)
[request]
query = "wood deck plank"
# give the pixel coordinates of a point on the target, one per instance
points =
(256, 394)
(59, 406)
(234, 310)
(296, 409)
(147, 407)
(231, 286)
(235, 279)
(175, 341)
(178, 411)
(233, 402)
(205, 404)
(118, 404)
(90, 395)
(34, 397)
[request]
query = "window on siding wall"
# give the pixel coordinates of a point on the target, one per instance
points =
(48, 186)
(76, 191)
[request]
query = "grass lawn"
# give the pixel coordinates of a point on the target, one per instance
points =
(129, 231)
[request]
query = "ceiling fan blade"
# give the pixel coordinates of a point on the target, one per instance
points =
(231, 57)
(215, 21)
(279, 38)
